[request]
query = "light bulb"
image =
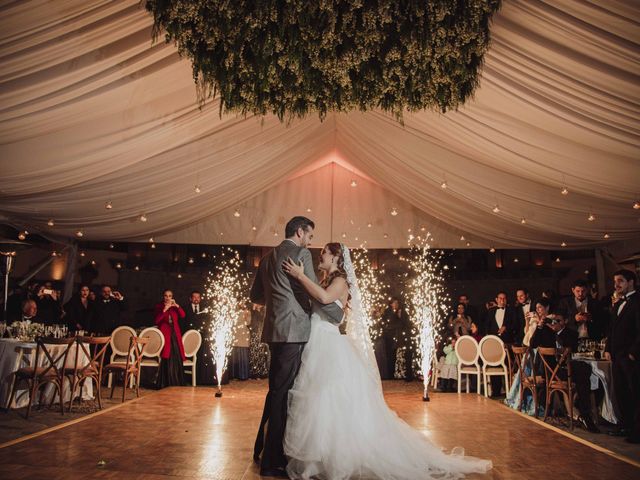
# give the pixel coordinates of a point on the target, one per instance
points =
(179, 275)
(51, 223)
(523, 220)
(563, 244)
(190, 260)
(462, 238)
(354, 183)
(254, 228)
(153, 245)
(394, 212)
(591, 217)
(82, 254)
(557, 259)
(137, 268)
(496, 209)
(636, 206)
(79, 234)
(606, 235)
(197, 189)
(492, 250)
(564, 191)
(150, 239)
(108, 205)
(21, 236)
(236, 213)
(444, 185)
(111, 245)
(143, 218)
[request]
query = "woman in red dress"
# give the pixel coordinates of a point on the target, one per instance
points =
(166, 317)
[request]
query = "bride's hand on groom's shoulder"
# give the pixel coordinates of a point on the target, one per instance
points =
(296, 270)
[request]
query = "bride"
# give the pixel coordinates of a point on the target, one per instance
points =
(338, 424)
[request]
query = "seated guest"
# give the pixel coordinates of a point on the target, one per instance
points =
(623, 349)
(167, 314)
(49, 304)
(29, 312)
(460, 323)
(524, 306)
(582, 312)
(551, 332)
(500, 321)
(551, 295)
(78, 311)
(107, 310)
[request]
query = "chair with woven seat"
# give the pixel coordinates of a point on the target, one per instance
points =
(191, 340)
(130, 371)
(119, 347)
(151, 354)
(556, 367)
(51, 371)
(529, 379)
(493, 355)
(467, 353)
(95, 349)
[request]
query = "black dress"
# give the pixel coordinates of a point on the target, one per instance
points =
(171, 372)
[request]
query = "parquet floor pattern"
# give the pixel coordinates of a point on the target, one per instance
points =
(181, 433)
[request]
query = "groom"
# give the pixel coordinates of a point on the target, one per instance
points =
(286, 330)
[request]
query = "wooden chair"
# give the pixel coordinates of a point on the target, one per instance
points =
(151, 355)
(191, 340)
(493, 354)
(523, 359)
(120, 347)
(468, 353)
(92, 369)
(552, 368)
(130, 371)
(51, 371)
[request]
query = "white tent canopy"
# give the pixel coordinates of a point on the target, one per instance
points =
(92, 112)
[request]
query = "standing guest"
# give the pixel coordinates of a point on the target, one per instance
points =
(79, 310)
(49, 304)
(167, 314)
(197, 318)
(449, 368)
(470, 310)
(582, 312)
(551, 332)
(107, 311)
(524, 307)
(623, 349)
(460, 323)
(500, 321)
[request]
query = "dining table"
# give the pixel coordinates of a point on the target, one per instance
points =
(601, 373)
(16, 354)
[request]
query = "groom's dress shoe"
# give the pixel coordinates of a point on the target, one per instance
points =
(273, 472)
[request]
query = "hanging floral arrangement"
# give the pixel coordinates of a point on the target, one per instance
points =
(293, 57)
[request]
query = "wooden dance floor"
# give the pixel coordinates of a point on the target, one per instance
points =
(181, 433)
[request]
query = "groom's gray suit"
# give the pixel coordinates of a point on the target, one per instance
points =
(286, 329)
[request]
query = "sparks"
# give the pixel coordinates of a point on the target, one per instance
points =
(226, 293)
(372, 290)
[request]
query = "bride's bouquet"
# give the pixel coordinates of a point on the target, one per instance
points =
(27, 331)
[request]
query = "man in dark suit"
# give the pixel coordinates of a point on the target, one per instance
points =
(582, 312)
(623, 348)
(523, 306)
(500, 321)
(196, 318)
(107, 310)
(553, 333)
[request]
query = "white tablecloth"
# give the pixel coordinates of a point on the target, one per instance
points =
(15, 354)
(601, 373)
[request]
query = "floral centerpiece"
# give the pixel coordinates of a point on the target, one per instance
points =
(293, 57)
(27, 331)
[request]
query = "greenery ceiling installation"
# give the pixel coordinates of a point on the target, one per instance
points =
(293, 57)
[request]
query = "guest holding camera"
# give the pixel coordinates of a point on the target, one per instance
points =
(167, 314)
(49, 307)
(107, 311)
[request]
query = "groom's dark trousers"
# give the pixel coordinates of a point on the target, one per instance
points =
(285, 363)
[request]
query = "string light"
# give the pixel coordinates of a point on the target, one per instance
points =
(236, 213)
(82, 254)
(444, 185)
(394, 212)
(204, 255)
(54, 254)
(492, 250)
(153, 245)
(137, 268)
(22, 235)
(79, 234)
(354, 183)
(563, 244)
(523, 220)
(369, 225)
(254, 228)
(606, 235)
(143, 218)
(591, 217)
(226, 293)
(93, 262)
(468, 244)
(190, 260)
(118, 265)
(636, 205)
(111, 245)
(564, 191)
(108, 205)
(197, 189)
(150, 239)
(51, 223)
(308, 209)
(344, 235)
(557, 259)
(462, 238)
(496, 209)
(395, 251)
(179, 275)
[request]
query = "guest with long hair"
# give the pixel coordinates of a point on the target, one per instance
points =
(167, 314)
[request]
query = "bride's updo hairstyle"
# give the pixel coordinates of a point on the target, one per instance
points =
(335, 249)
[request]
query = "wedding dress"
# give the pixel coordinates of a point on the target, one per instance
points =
(339, 425)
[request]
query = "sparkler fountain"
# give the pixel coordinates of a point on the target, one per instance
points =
(226, 293)
(428, 301)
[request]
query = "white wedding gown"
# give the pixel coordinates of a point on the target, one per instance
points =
(340, 427)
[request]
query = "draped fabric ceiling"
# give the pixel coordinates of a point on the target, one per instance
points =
(92, 112)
